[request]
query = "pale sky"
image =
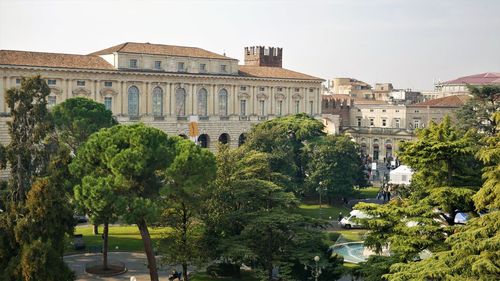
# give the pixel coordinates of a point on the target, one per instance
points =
(408, 43)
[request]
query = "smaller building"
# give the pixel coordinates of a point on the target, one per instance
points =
(401, 175)
(421, 114)
(350, 87)
(459, 86)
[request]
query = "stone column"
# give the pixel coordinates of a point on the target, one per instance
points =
(166, 100)
(271, 102)
(124, 103)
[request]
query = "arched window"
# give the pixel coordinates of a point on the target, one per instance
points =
(223, 102)
(180, 102)
(224, 138)
(133, 101)
(157, 101)
(203, 140)
(242, 139)
(202, 102)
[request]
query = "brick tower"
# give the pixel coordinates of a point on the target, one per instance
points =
(263, 56)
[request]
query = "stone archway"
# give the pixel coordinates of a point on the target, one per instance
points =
(224, 138)
(242, 138)
(204, 140)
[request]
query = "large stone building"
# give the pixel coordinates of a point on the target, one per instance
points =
(166, 86)
(379, 127)
(459, 85)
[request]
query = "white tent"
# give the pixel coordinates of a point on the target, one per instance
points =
(401, 175)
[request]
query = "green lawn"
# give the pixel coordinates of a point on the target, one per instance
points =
(369, 192)
(202, 276)
(121, 238)
(352, 235)
(313, 210)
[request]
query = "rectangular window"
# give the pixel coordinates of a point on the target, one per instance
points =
(80, 83)
(384, 122)
(108, 84)
(51, 101)
(243, 107)
(261, 89)
(297, 89)
(243, 88)
(203, 67)
(51, 81)
(158, 65)
(18, 80)
(397, 110)
(133, 63)
(397, 124)
(280, 107)
(383, 110)
(416, 123)
(297, 106)
(359, 122)
(108, 103)
(311, 107)
(416, 111)
(180, 66)
(311, 90)
(262, 108)
(372, 122)
(359, 110)
(280, 89)
(371, 110)
(223, 68)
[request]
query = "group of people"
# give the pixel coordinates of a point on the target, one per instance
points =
(385, 192)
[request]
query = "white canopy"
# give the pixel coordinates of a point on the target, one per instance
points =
(401, 175)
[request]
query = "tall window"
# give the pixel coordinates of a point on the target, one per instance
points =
(158, 64)
(311, 107)
(297, 106)
(384, 122)
(223, 102)
(51, 101)
(180, 102)
(359, 122)
(108, 103)
(243, 107)
(416, 123)
(80, 83)
(133, 101)
(372, 122)
(180, 66)
(262, 108)
(133, 63)
(51, 81)
(157, 101)
(397, 123)
(280, 107)
(202, 102)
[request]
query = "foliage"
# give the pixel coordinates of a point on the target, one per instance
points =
(78, 118)
(29, 126)
(334, 165)
(477, 113)
(253, 220)
(134, 158)
(442, 155)
(283, 139)
(192, 169)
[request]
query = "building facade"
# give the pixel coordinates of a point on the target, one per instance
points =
(166, 86)
(459, 86)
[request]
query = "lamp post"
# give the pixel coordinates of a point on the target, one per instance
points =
(316, 269)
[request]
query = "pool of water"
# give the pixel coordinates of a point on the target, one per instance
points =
(352, 251)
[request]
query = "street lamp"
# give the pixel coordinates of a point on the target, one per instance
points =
(315, 270)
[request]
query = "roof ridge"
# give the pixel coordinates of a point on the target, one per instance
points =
(48, 53)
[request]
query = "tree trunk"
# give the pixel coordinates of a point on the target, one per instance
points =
(270, 272)
(148, 249)
(96, 229)
(184, 272)
(105, 246)
(450, 171)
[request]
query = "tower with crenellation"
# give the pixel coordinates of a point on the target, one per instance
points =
(264, 56)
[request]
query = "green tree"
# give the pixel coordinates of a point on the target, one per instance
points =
(78, 118)
(473, 250)
(75, 120)
(29, 126)
(192, 169)
(477, 113)
(283, 139)
(335, 164)
(444, 185)
(135, 158)
(442, 155)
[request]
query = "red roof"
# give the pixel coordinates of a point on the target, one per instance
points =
(8, 57)
(477, 79)
(450, 101)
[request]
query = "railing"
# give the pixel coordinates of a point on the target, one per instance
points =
(244, 118)
(203, 118)
(262, 118)
(134, 118)
(182, 118)
(377, 130)
(159, 118)
(224, 118)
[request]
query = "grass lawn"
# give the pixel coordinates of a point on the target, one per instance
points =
(352, 235)
(126, 238)
(313, 210)
(202, 276)
(369, 192)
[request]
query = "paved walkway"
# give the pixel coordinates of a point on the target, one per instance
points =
(135, 263)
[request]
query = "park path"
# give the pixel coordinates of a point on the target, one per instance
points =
(135, 263)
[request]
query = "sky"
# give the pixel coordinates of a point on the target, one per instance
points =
(409, 43)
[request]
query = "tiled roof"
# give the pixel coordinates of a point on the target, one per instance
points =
(477, 79)
(159, 49)
(273, 72)
(23, 58)
(450, 101)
